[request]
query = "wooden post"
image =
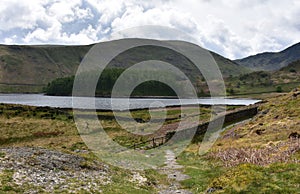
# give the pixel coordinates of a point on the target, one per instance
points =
(153, 142)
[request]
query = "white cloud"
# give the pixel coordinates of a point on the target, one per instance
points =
(10, 40)
(234, 28)
(20, 14)
(137, 16)
(68, 11)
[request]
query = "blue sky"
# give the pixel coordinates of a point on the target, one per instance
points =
(232, 28)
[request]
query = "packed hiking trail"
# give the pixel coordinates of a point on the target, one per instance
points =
(174, 172)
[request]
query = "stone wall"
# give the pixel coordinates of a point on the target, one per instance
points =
(230, 118)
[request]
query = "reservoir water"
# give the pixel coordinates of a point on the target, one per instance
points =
(113, 104)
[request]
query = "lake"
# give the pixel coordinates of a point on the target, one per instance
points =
(113, 104)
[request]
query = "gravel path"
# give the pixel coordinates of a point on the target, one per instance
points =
(173, 170)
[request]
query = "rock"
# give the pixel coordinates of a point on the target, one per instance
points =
(294, 135)
(213, 189)
(52, 169)
(137, 178)
(296, 94)
(265, 112)
(259, 131)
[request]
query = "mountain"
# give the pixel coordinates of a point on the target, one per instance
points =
(282, 80)
(293, 67)
(30, 68)
(270, 61)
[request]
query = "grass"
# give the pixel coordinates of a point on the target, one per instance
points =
(208, 173)
(55, 129)
(201, 170)
(274, 168)
(16, 88)
(2, 155)
(50, 127)
(244, 161)
(6, 183)
(122, 185)
(248, 178)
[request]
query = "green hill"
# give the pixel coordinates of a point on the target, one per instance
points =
(30, 68)
(293, 67)
(270, 61)
(282, 80)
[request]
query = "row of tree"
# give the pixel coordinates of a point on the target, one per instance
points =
(107, 80)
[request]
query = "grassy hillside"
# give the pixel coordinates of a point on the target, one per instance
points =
(270, 61)
(228, 67)
(282, 80)
(293, 67)
(258, 156)
(29, 68)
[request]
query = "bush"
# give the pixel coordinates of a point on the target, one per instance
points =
(230, 91)
(278, 89)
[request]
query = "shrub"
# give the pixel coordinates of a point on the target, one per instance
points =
(278, 89)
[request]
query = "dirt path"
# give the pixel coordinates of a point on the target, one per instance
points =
(173, 170)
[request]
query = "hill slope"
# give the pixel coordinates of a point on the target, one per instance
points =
(282, 80)
(29, 68)
(261, 155)
(270, 61)
(293, 67)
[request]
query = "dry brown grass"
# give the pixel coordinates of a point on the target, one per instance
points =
(281, 152)
(267, 138)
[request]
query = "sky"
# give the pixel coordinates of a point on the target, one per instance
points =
(232, 28)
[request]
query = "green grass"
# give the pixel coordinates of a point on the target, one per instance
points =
(201, 170)
(248, 178)
(6, 182)
(122, 185)
(2, 155)
(4, 88)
